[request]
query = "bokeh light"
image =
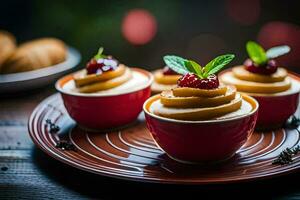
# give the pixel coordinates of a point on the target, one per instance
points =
(244, 12)
(279, 33)
(139, 26)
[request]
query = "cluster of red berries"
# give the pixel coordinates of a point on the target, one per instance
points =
(269, 68)
(193, 81)
(101, 65)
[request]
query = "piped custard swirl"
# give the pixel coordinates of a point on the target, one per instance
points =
(249, 82)
(88, 83)
(102, 72)
(193, 104)
(260, 74)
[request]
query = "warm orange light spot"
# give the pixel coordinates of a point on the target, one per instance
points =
(139, 26)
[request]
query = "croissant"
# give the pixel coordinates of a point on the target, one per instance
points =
(7, 46)
(34, 55)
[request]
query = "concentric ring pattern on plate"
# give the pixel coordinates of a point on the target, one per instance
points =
(132, 154)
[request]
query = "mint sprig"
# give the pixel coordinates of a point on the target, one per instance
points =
(184, 66)
(217, 64)
(259, 56)
(193, 67)
(99, 54)
(177, 64)
(256, 53)
(277, 51)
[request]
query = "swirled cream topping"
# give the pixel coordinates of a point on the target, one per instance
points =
(121, 80)
(245, 81)
(200, 104)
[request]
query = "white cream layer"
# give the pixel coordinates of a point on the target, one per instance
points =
(137, 82)
(245, 108)
(295, 85)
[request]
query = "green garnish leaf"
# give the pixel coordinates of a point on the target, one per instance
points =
(256, 53)
(217, 64)
(277, 51)
(184, 66)
(194, 67)
(99, 54)
(177, 64)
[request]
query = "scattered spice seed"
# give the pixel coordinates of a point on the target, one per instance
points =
(293, 122)
(286, 156)
(53, 127)
(4, 168)
(65, 145)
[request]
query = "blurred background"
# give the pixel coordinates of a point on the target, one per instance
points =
(140, 32)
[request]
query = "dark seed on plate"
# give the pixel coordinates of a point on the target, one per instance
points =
(286, 156)
(65, 145)
(4, 168)
(53, 127)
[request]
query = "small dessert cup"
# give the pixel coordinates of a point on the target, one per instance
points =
(275, 109)
(275, 88)
(105, 110)
(204, 141)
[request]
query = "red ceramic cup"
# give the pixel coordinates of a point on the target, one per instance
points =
(201, 141)
(101, 111)
(274, 110)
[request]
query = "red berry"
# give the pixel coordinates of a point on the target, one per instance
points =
(269, 68)
(92, 66)
(168, 71)
(101, 65)
(193, 81)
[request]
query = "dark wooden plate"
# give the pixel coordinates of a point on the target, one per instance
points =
(132, 154)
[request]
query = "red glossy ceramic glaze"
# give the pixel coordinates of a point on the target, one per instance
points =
(104, 111)
(275, 110)
(201, 141)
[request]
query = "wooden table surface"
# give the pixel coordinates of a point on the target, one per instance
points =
(28, 173)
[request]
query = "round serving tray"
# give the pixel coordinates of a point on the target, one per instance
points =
(132, 154)
(22, 81)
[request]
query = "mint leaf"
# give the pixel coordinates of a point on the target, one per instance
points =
(256, 53)
(194, 67)
(177, 64)
(99, 54)
(184, 66)
(275, 52)
(217, 64)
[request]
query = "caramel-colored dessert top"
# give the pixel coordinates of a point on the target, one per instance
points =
(199, 104)
(249, 82)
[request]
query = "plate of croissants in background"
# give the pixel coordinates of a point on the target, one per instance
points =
(34, 63)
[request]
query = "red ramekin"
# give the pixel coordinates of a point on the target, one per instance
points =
(201, 141)
(274, 110)
(101, 111)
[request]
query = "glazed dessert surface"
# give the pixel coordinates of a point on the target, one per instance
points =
(164, 81)
(244, 108)
(104, 74)
(278, 83)
(134, 80)
(260, 74)
(222, 103)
